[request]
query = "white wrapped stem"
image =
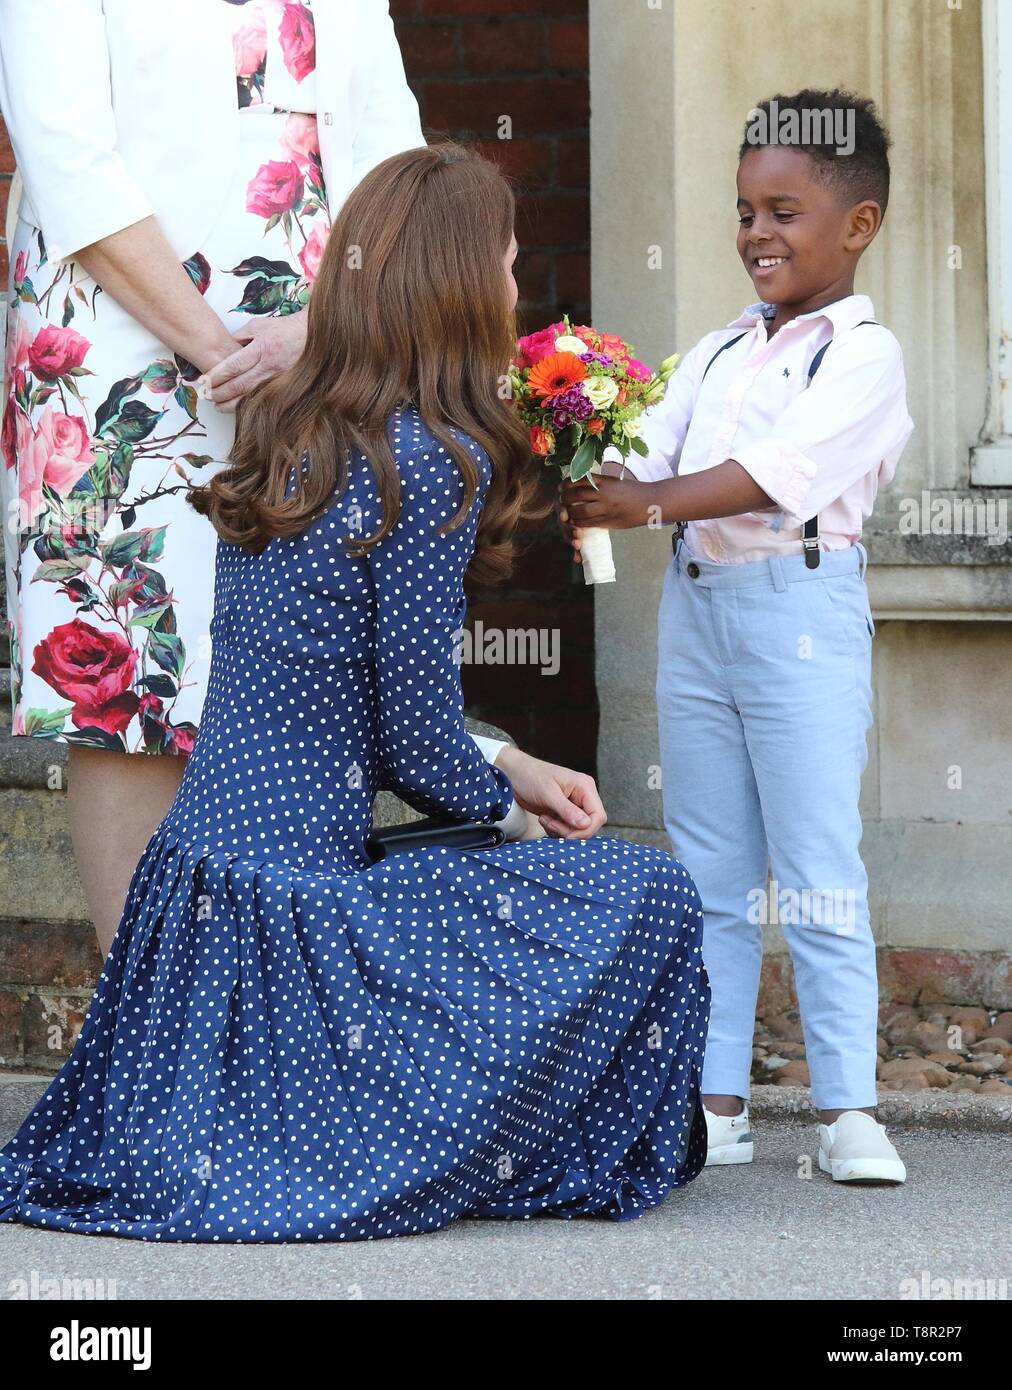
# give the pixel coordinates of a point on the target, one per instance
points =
(595, 549)
(598, 560)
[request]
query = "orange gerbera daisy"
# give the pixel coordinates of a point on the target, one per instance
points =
(554, 375)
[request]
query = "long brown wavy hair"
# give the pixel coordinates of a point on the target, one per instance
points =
(410, 306)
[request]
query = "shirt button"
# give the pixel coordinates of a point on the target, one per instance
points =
(692, 570)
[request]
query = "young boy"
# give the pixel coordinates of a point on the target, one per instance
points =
(778, 429)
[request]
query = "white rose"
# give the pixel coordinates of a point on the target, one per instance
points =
(633, 429)
(569, 342)
(600, 391)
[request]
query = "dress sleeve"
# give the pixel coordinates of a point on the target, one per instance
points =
(428, 757)
(56, 93)
(390, 121)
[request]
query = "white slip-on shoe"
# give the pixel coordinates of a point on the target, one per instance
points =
(728, 1138)
(854, 1148)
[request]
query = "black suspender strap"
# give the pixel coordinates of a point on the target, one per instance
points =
(817, 359)
(810, 530)
(810, 542)
(723, 348)
(679, 527)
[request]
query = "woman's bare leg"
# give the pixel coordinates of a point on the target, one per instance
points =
(115, 803)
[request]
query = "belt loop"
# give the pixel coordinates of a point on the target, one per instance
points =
(864, 559)
(777, 571)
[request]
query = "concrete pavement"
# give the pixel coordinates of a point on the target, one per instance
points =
(765, 1231)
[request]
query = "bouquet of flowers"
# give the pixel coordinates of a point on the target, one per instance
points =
(580, 392)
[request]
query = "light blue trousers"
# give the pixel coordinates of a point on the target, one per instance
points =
(764, 704)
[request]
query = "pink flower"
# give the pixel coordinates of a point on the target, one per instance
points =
(20, 267)
(276, 188)
(94, 669)
(637, 370)
(301, 138)
(249, 42)
(312, 253)
(536, 346)
(298, 40)
(58, 453)
(31, 465)
(56, 351)
(19, 340)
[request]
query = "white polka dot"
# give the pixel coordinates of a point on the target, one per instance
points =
(287, 1044)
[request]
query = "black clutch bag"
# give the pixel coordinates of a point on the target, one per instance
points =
(423, 834)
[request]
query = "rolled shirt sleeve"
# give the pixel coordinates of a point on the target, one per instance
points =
(56, 95)
(851, 420)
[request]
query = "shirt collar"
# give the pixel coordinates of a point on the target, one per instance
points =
(842, 313)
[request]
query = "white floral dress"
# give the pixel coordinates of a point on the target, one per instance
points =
(110, 573)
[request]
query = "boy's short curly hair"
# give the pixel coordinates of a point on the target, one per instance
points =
(856, 169)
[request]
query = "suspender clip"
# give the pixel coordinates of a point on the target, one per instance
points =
(810, 542)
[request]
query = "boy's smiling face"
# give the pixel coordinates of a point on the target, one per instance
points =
(797, 239)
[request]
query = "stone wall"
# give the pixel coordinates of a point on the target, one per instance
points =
(470, 62)
(675, 82)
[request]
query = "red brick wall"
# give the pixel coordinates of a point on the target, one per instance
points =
(470, 62)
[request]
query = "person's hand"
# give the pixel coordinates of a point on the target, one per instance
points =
(619, 505)
(267, 346)
(572, 534)
(535, 830)
(566, 803)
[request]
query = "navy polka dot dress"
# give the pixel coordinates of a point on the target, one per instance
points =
(287, 1044)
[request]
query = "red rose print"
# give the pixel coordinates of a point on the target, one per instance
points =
(56, 351)
(276, 189)
(93, 669)
(183, 738)
(113, 717)
(298, 41)
(150, 704)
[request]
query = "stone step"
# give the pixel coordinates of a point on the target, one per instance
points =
(48, 959)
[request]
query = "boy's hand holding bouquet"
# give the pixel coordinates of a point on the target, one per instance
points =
(581, 392)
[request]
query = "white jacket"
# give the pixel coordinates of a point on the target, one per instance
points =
(120, 109)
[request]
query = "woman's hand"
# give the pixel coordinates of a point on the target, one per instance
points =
(268, 346)
(572, 534)
(565, 802)
(138, 268)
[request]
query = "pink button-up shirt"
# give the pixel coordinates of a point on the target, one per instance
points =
(822, 449)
